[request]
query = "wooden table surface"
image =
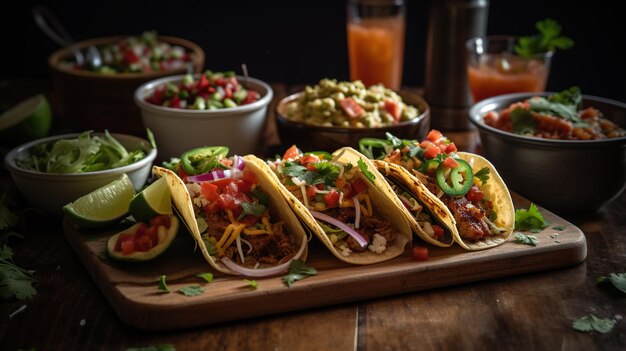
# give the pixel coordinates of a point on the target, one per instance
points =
(531, 311)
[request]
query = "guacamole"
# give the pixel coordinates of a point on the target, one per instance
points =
(350, 104)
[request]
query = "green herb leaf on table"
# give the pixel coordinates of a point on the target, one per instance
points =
(163, 284)
(529, 219)
(206, 276)
(298, 270)
(251, 283)
(526, 239)
(591, 323)
(617, 279)
(191, 290)
(549, 38)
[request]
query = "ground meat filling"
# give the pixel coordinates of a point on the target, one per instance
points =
(368, 227)
(271, 249)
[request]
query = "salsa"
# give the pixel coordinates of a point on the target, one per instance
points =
(558, 116)
(208, 91)
(137, 54)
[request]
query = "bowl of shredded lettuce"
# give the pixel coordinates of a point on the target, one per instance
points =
(56, 170)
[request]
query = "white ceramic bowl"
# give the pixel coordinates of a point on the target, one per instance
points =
(178, 130)
(51, 191)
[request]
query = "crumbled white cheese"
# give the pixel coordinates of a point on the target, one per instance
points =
(379, 244)
(193, 188)
(345, 251)
(200, 201)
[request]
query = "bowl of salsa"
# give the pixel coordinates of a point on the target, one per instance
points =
(563, 150)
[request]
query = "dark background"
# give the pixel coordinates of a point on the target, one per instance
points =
(304, 41)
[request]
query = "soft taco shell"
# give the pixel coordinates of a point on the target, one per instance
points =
(430, 202)
(384, 205)
(278, 207)
(496, 191)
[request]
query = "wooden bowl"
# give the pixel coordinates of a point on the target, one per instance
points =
(87, 100)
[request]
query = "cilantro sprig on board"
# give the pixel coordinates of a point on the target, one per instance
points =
(549, 38)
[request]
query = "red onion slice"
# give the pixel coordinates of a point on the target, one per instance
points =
(211, 176)
(239, 163)
(353, 233)
(263, 272)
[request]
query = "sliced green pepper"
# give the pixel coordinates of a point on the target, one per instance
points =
(203, 159)
(429, 166)
(461, 178)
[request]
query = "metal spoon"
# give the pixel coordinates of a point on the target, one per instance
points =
(51, 26)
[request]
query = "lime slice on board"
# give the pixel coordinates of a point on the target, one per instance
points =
(155, 199)
(28, 120)
(103, 206)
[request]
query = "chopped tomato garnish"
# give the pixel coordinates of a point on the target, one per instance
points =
(209, 191)
(291, 153)
(310, 158)
(434, 135)
(358, 186)
(160, 220)
(450, 148)
(438, 231)
(394, 109)
(431, 151)
(331, 199)
(420, 253)
(310, 191)
(474, 194)
(351, 108)
(449, 162)
(127, 247)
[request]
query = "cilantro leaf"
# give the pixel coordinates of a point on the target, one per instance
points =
(529, 219)
(591, 323)
(549, 38)
(163, 284)
(251, 209)
(8, 219)
(530, 240)
(366, 172)
(618, 280)
(544, 106)
(523, 121)
(483, 175)
(206, 276)
(251, 283)
(191, 290)
(298, 270)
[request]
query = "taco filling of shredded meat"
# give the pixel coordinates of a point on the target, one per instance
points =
(235, 221)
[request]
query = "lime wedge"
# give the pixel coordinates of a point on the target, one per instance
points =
(28, 120)
(155, 199)
(103, 206)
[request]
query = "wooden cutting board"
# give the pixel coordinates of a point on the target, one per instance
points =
(131, 288)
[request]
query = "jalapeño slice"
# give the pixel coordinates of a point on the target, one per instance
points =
(203, 159)
(461, 178)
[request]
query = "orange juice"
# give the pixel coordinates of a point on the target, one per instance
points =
(376, 50)
(504, 75)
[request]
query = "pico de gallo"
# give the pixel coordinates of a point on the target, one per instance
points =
(338, 197)
(144, 241)
(208, 91)
(233, 211)
(453, 180)
(558, 116)
(137, 54)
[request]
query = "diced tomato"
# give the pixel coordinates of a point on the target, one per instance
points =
(394, 108)
(227, 201)
(212, 207)
(220, 82)
(152, 234)
(228, 92)
(141, 229)
(310, 191)
(352, 109)
(449, 162)
(244, 186)
(249, 177)
(309, 159)
(128, 247)
(222, 183)
(434, 135)
(251, 97)
(129, 57)
(431, 151)
(438, 231)
(291, 153)
(424, 144)
(175, 102)
(474, 194)
(250, 220)
(120, 239)
(211, 90)
(358, 186)
(450, 148)
(232, 81)
(420, 253)
(143, 243)
(160, 220)
(331, 199)
(203, 83)
(209, 191)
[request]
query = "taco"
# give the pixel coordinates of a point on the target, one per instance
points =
(429, 217)
(344, 200)
(241, 222)
(466, 183)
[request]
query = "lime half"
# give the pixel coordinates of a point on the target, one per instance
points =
(155, 199)
(28, 120)
(103, 206)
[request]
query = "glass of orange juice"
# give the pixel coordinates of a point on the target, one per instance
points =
(493, 68)
(376, 41)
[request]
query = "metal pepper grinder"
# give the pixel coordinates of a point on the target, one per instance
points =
(450, 24)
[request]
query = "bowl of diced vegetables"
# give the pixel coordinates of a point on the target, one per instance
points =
(97, 98)
(212, 108)
(53, 171)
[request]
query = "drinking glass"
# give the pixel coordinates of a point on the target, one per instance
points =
(493, 68)
(376, 41)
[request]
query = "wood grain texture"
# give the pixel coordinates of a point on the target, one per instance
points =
(131, 288)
